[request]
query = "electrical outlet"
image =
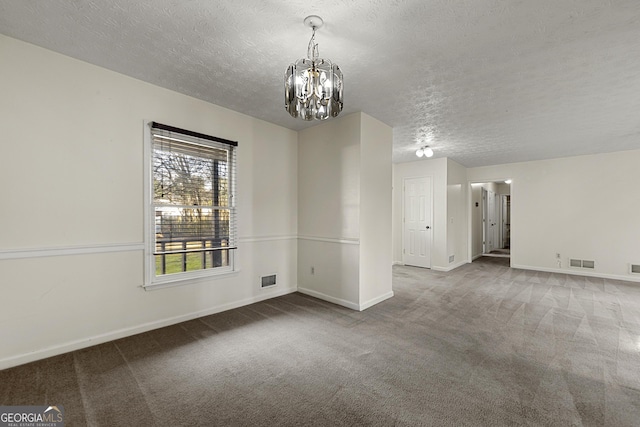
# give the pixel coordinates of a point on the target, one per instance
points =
(313, 270)
(558, 255)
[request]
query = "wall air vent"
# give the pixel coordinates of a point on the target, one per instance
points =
(582, 263)
(635, 268)
(267, 281)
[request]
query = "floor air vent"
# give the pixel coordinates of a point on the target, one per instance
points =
(581, 263)
(267, 281)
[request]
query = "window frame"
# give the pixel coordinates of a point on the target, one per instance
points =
(151, 280)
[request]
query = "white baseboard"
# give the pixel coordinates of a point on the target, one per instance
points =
(21, 359)
(449, 267)
(345, 303)
(577, 272)
(376, 300)
(329, 298)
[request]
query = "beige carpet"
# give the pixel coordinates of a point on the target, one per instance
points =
(481, 345)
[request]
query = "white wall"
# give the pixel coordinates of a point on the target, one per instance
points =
(503, 189)
(329, 210)
(582, 207)
(375, 210)
(476, 220)
(344, 193)
(437, 170)
(71, 216)
(457, 222)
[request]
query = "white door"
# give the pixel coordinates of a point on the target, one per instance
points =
(506, 222)
(503, 221)
(484, 222)
(417, 228)
(490, 222)
(497, 241)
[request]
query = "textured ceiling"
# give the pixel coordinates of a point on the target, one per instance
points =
(482, 81)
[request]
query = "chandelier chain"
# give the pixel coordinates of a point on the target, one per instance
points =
(313, 52)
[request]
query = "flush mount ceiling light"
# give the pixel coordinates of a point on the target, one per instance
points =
(313, 86)
(424, 151)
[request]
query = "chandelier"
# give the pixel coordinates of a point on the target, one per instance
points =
(313, 86)
(425, 151)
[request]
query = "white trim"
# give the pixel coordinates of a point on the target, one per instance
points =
(69, 250)
(376, 300)
(341, 240)
(147, 184)
(55, 350)
(325, 297)
(53, 251)
(257, 239)
(191, 278)
(578, 273)
(345, 303)
(397, 263)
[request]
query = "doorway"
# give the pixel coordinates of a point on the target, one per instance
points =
(417, 225)
(490, 219)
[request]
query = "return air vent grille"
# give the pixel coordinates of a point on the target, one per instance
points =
(582, 263)
(267, 281)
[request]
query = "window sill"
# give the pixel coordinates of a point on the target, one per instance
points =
(191, 279)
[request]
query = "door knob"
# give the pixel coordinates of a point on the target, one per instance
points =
(428, 227)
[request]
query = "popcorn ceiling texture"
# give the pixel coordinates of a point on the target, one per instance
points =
(482, 81)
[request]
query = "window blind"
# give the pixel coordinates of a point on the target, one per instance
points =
(194, 180)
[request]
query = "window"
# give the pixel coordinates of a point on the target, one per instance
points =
(191, 204)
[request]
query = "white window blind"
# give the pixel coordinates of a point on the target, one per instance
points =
(193, 200)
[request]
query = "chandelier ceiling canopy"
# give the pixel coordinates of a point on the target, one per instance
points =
(313, 87)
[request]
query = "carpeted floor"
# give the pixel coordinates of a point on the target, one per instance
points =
(481, 345)
(502, 251)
